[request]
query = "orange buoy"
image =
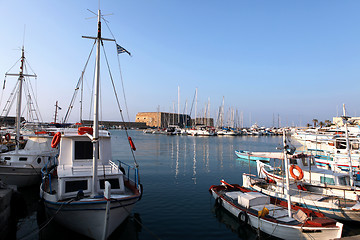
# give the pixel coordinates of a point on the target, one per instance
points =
(132, 145)
(301, 173)
(56, 140)
(83, 130)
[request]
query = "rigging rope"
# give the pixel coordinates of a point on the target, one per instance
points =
(118, 104)
(122, 82)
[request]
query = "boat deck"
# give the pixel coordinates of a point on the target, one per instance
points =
(278, 213)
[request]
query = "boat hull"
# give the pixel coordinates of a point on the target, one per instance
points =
(88, 217)
(20, 176)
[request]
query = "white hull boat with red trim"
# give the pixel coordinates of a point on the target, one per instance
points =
(335, 207)
(270, 215)
(315, 179)
(88, 192)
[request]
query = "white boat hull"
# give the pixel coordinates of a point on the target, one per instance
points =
(88, 217)
(20, 176)
(288, 232)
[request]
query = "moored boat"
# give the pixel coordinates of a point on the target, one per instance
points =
(270, 215)
(87, 191)
(335, 207)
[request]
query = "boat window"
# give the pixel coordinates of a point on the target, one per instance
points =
(7, 158)
(83, 150)
(341, 144)
(327, 180)
(114, 183)
(22, 158)
(74, 186)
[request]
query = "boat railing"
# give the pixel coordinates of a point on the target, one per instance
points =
(128, 171)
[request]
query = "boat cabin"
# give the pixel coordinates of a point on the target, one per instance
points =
(75, 166)
(314, 174)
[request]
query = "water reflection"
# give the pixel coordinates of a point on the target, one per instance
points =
(224, 217)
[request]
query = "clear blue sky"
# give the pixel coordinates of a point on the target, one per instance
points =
(296, 59)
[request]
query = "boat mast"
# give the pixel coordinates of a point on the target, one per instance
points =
(18, 107)
(19, 96)
(96, 109)
(287, 174)
(95, 138)
(178, 106)
(348, 147)
(195, 104)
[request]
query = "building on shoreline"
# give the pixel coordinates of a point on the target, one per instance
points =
(163, 119)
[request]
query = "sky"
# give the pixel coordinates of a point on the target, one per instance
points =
(273, 62)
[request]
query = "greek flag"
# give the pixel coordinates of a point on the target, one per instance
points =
(120, 49)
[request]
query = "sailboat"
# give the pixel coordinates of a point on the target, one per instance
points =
(87, 192)
(22, 166)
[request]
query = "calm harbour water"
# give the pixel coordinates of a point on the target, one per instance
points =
(176, 173)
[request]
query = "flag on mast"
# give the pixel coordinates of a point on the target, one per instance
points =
(120, 49)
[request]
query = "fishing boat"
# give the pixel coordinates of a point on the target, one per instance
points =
(303, 169)
(22, 166)
(88, 192)
(270, 215)
(335, 207)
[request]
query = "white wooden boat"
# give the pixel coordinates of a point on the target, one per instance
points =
(270, 215)
(67, 189)
(89, 192)
(22, 167)
(332, 206)
(315, 179)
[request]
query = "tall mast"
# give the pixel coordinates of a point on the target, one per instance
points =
(96, 108)
(95, 137)
(178, 106)
(195, 104)
(19, 96)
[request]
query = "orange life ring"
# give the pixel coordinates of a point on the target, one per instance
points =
(291, 170)
(7, 137)
(56, 139)
(83, 130)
